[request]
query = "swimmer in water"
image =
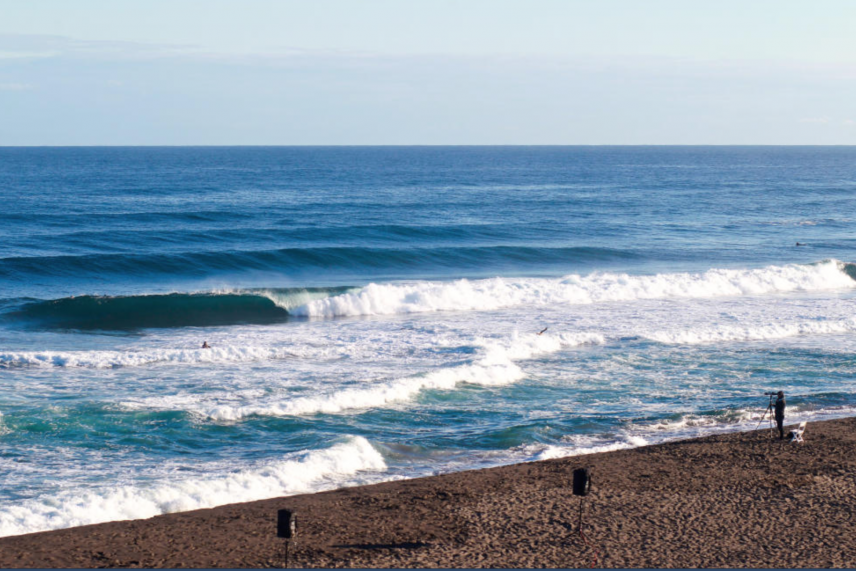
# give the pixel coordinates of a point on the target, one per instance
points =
(205, 345)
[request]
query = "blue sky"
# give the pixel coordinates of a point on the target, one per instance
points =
(270, 72)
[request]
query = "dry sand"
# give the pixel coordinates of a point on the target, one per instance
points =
(734, 500)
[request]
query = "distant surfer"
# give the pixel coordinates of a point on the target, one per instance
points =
(801, 244)
(543, 330)
(205, 345)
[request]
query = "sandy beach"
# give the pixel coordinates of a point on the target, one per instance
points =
(732, 500)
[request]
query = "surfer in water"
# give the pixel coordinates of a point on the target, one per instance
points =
(205, 345)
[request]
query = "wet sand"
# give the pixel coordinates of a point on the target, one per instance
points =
(734, 500)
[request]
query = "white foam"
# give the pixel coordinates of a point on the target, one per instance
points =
(137, 358)
(689, 425)
(376, 395)
(495, 368)
(291, 299)
(724, 333)
(314, 471)
(185, 400)
(497, 293)
(685, 427)
(553, 451)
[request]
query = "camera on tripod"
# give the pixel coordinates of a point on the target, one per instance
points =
(778, 405)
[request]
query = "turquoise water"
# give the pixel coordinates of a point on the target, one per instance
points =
(374, 313)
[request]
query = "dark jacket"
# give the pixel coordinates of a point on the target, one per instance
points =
(780, 408)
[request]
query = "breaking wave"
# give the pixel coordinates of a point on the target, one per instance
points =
(268, 306)
(497, 293)
(312, 471)
(169, 310)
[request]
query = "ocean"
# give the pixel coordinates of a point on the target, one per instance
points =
(378, 313)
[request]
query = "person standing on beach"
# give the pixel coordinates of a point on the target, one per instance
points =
(780, 414)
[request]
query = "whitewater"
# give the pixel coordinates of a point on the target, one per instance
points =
(378, 314)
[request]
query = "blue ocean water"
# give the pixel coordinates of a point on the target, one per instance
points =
(374, 312)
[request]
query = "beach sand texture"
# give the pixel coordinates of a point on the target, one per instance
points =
(731, 500)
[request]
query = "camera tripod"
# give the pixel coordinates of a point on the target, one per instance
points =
(768, 410)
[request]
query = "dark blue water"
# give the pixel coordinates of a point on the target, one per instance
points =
(120, 220)
(373, 311)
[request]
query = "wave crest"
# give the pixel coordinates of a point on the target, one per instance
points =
(498, 293)
(314, 471)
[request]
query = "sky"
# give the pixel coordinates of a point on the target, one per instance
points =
(434, 72)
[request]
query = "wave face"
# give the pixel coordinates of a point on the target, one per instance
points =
(171, 310)
(466, 295)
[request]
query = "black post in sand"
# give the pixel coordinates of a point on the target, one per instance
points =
(286, 528)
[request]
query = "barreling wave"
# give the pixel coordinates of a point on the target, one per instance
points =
(498, 293)
(495, 368)
(169, 310)
(312, 471)
(267, 306)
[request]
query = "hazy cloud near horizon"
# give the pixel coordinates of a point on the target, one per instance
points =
(61, 90)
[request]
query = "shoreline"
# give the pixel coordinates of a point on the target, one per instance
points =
(733, 499)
